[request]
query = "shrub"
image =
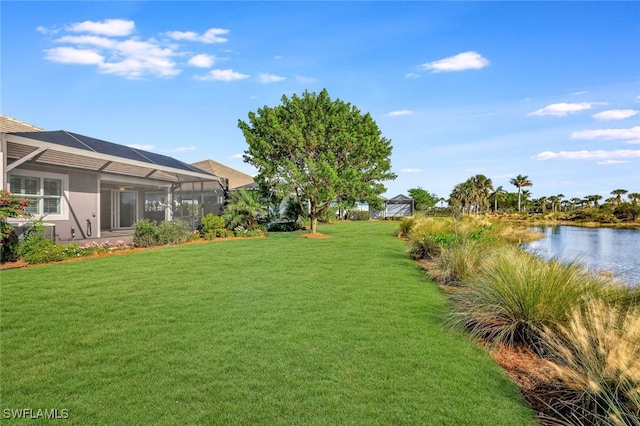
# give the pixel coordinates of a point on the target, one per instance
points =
(145, 233)
(227, 234)
(8, 243)
(212, 226)
(172, 232)
(597, 355)
(44, 251)
(517, 294)
(627, 211)
(404, 227)
(281, 226)
(593, 215)
(239, 231)
(359, 215)
(12, 206)
(460, 262)
(329, 216)
(423, 242)
(257, 232)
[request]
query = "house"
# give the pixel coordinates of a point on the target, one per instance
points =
(398, 206)
(85, 187)
(209, 197)
(236, 178)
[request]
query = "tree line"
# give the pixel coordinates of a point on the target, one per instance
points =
(477, 195)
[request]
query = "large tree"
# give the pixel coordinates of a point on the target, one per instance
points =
(422, 199)
(319, 149)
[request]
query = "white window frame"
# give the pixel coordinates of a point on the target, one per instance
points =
(64, 210)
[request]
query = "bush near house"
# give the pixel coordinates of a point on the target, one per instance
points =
(359, 215)
(212, 226)
(10, 206)
(145, 233)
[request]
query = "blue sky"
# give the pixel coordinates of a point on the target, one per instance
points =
(550, 90)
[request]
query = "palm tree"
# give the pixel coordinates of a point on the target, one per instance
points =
(244, 209)
(619, 193)
(482, 186)
(558, 201)
(634, 197)
(593, 199)
(575, 202)
(462, 195)
(525, 197)
(543, 203)
(520, 182)
(496, 195)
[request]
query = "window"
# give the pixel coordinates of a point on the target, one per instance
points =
(44, 190)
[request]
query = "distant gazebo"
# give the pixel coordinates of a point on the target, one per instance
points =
(398, 206)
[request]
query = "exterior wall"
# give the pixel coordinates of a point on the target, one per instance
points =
(83, 209)
(399, 209)
(79, 201)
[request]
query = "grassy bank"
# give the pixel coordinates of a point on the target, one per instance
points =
(280, 330)
(584, 328)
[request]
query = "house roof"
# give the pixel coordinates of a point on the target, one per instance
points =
(236, 177)
(8, 124)
(67, 149)
(400, 199)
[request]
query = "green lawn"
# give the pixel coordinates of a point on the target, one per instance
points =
(279, 330)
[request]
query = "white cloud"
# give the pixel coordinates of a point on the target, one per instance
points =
(610, 162)
(129, 58)
(142, 147)
(47, 31)
(266, 78)
(588, 155)
(241, 156)
(102, 42)
(400, 112)
(632, 134)
(108, 27)
(133, 57)
(212, 35)
(581, 92)
(410, 170)
(202, 61)
(223, 75)
(460, 62)
(563, 109)
(615, 114)
(412, 75)
(72, 55)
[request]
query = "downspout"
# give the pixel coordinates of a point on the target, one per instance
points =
(3, 162)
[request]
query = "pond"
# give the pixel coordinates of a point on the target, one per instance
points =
(600, 249)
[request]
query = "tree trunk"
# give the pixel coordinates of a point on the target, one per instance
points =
(314, 225)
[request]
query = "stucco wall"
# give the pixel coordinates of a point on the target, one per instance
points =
(81, 203)
(84, 201)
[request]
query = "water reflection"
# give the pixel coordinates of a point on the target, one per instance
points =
(601, 249)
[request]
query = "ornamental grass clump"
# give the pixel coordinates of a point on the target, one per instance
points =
(597, 358)
(458, 263)
(516, 295)
(428, 235)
